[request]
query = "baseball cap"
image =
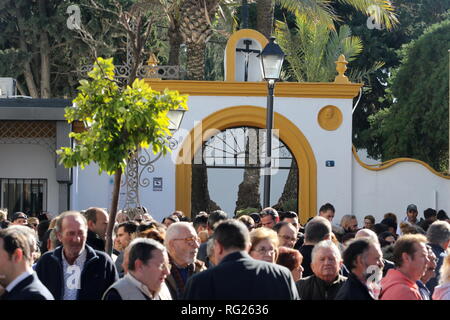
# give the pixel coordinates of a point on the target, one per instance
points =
(18, 215)
(411, 207)
(442, 215)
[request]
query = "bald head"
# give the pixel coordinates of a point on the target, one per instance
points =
(176, 229)
(367, 233)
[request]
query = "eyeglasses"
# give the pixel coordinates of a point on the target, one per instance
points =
(190, 240)
(287, 238)
(264, 251)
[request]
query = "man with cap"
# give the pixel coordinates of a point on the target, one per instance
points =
(442, 215)
(411, 217)
(19, 218)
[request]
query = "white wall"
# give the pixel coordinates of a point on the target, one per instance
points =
(394, 188)
(27, 161)
(334, 184)
(89, 189)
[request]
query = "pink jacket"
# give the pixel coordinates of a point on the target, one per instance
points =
(396, 286)
(442, 292)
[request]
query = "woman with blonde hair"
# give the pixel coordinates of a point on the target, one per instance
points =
(264, 244)
(442, 291)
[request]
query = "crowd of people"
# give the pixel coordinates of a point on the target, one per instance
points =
(265, 255)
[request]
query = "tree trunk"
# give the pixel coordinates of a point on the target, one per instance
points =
(264, 16)
(21, 89)
(27, 72)
(248, 193)
(113, 211)
(196, 61)
(200, 199)
(290, 190)
(175, 41)
(45, 54)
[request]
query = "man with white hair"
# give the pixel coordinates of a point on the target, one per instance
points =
(182, 243)
(326, 280)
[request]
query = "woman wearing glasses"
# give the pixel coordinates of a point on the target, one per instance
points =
(264, 244)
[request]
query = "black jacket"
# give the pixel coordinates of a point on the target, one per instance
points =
(29, 288)
(353, 289)
(98, 274)
(94, 241)
(240, 277)
(313, 288)
(306, 251)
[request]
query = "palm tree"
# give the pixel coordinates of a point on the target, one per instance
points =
(196, 29)
(312, 49)
(322, 10)
(173, 14)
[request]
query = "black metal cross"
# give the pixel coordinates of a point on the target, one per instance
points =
(247, 52)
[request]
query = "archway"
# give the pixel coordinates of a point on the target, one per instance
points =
(254, 117)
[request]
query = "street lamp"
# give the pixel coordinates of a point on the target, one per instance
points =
(175, 118)
(272, 58)
(145, 163)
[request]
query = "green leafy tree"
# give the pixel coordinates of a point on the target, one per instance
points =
(382, 45)
(39, 49)
(119, 121)
(416, 125)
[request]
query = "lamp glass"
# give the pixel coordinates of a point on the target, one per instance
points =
(272, 58)
(175, 118)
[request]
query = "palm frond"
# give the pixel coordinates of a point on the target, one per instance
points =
(360, 75)
(318, 10)
(382, 10)
(291, 45)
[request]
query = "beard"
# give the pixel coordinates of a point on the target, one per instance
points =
(374, 274)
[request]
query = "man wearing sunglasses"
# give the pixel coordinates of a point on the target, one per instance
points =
(182, 244)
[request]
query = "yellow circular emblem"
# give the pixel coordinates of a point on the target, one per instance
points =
(330, 118)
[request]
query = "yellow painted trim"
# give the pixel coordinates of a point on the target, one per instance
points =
(330, 123)
(230, 49)
(254, 117)
(249, 89)
(390, 163)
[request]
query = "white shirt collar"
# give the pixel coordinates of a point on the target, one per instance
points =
(79, 260)
(17, 280)
(140, 285)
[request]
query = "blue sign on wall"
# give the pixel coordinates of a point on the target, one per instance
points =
(157, 184)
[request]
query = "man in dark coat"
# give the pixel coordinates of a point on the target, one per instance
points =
(75, 271)
(237, 276)
(97, 221)
(364, 259)
(316, 230)
(17, 246)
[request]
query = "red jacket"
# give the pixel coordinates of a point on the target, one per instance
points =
(396, 286)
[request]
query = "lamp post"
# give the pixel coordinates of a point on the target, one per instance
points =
(272, 58)
(139, 164)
